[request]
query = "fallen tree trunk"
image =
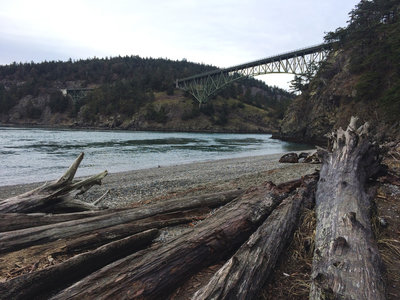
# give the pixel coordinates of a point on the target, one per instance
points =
(158, 272)
(30, 258)
(62, 190)
(14, 240)
(43, 282)
(16, 221)
(109, 234)
(69, 206)
(244, 274)
(346, 263)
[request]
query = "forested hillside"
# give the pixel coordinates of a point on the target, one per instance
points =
(361, 77)
(132, 93)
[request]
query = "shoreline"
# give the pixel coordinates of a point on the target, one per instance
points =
(149, 129)
(127, 188)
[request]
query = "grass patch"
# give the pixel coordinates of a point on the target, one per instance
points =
(291, 279)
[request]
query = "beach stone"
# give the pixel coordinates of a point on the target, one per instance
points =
(313, 159)
(289, 158)
(304, 155)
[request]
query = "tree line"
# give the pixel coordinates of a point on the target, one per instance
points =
(372, 39)
(123, 84)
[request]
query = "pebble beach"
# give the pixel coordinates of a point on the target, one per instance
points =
(127, 188)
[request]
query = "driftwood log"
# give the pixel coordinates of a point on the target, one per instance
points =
(346, 263)
(39, 284)
(249, 232)
(59, 193)
(244, 274)
(17, 239)
(158, 272)
(68, 247)
(15, 221)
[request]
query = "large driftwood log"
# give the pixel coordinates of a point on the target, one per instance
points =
(34, 285)
(158, 272)
(109, 234)
(53, 194)
(244, 274)
(14, 240)
(29, 258)
(346, 262)
(16, 221)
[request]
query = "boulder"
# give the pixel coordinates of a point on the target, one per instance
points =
(313, 158)
(289, 158)
(304, 155)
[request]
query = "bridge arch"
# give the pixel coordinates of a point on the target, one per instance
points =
(203, 86)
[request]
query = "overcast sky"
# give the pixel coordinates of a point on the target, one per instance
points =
(218, 32)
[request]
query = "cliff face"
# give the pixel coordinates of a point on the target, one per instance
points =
(360, 77)
(328, 103)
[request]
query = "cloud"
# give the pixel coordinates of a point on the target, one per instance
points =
(222, 33)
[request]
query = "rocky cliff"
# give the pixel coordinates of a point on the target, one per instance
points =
(361, 77)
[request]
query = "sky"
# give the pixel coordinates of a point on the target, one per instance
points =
(222, 33)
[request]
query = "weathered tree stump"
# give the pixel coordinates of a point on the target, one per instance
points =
(346, 262)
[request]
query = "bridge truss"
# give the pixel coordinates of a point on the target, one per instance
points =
(302, 61)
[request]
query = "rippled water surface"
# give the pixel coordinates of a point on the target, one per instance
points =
(31, 155)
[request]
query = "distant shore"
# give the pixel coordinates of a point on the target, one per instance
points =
(150, 129)
(126, 188)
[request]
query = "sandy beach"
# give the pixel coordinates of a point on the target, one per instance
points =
(130, 187)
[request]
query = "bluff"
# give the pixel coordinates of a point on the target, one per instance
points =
(360, 77)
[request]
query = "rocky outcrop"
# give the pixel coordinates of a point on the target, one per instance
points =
(329, 103)
(314, 113)
(32, 110)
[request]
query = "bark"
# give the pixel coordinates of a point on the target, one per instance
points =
(158, 272)
(15, 221)
(41, 283)
(70, 205)
(109, 234)
(31, 257)
(245, 273)
(346, 263)
(62, 190)
(14, 240)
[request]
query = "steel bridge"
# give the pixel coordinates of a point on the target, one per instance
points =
(301, 61)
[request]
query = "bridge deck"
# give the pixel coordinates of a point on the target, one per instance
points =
(286, 55)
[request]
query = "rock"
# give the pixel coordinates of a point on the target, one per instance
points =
(304, 155)
(289, 158)
(313, 158)
(382, 222)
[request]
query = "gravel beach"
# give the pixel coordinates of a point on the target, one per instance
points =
(130, 187)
